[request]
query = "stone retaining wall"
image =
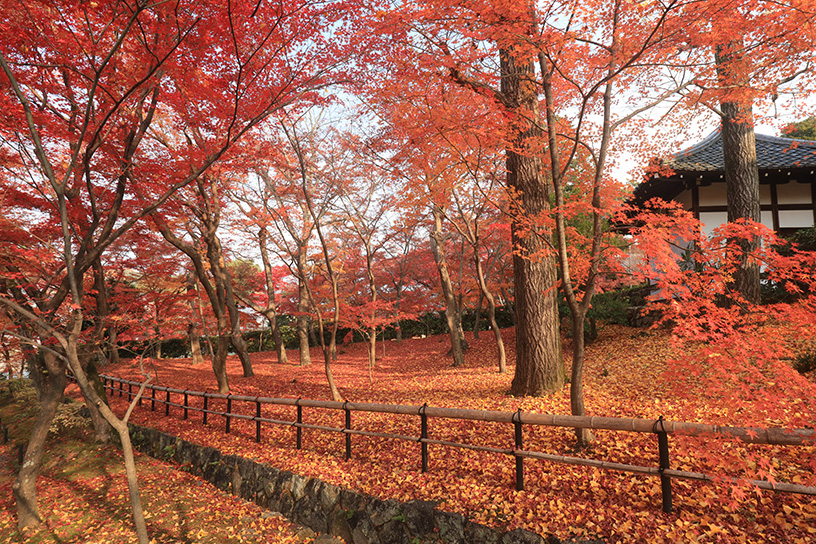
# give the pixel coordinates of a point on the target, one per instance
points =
(354, 517)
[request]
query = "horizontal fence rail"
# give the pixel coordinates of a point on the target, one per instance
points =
(660, 428)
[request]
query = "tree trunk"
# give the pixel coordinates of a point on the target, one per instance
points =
(157, 349)
(133, 483)
(327, 358)
(372, 290)
(219, 364)
(242, 350)
(477, 317)
(101, 427)
(491, 306)
(90, 351)
(271, 311)
(372, 351)
(223, 281)
(303, 323)
(454, 320)
(195, 343)
(741, 173)
(539, 365)
(120, 425)
(113, 345)
(583, 437)
(280, 348)
(51, 389)
(104, 332)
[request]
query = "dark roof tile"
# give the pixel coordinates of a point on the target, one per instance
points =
(772, 152)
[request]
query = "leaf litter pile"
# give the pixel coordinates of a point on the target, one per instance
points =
(626, 376)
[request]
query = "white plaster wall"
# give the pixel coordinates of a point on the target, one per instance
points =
(712, 195)
(795, 219)
(712, 220)
(794, 193)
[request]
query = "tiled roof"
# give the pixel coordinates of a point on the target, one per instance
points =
(772, 152)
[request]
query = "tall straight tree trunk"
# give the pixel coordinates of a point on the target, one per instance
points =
(741, 173)
(539, 365)
(452, 316)
(50, 389)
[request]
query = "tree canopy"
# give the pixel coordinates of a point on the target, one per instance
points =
(376, 162)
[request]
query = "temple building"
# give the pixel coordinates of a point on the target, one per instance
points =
(787, 178)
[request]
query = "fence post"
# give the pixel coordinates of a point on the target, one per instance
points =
(206, 398)
(121, 388)
(152, 399)
(167, 404)
(663, 452)
(257, 420)
(519, 445)
(423, 435)
(140, 399)
(185, 404)
(299, 423)
(130, 392)
(348, 428)
(229, 410)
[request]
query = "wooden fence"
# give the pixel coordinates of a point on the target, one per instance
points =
(660, 428)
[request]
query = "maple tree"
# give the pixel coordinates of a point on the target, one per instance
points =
(201, 243)
(115, 113)
(313, 166)
(405, 281)
(89, 91)
(758, 55)
(471, 229)
(435, 135)
(365, 205)
(746, 344)
(275, 207)
(268, 285)
(583, 113)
